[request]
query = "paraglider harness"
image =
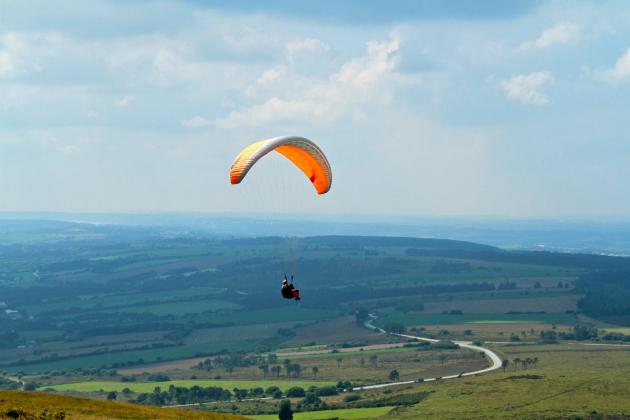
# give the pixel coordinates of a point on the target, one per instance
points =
(288, 291)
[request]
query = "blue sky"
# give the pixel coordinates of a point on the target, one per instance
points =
(424, 107)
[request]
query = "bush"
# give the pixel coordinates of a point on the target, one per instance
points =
(158, 377)
(351, 398)
(272, 390)
(341, 385)
(326, 391)
(310, 399)
(295, 392)
(30, 386)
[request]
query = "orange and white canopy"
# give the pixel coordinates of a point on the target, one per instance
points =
(305, 154)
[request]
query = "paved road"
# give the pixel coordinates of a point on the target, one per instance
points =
(494, 358)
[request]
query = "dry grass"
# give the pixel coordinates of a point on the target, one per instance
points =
(501, 306)
(493, 332)
(569, 381)
(338, 330)
(31, 405)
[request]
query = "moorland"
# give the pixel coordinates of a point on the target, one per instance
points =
(163, 317)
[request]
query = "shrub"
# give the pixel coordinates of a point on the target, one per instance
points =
(351, 398)
(30, 386)
(272, 390)
(295, 391)
(326, 391)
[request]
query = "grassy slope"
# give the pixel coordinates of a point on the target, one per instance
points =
(34, 403)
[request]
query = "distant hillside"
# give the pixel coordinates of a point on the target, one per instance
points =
(38, 405)
(419, 243)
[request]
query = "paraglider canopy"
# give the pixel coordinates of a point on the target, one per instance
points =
(304, 154)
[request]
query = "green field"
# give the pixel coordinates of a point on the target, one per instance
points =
(264, 316)
(149, 355)
(105, 301)
(440, 319)
(343, 414)
(107, 386)
(181, 308)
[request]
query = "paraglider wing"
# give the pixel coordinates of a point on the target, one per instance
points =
(304, 154)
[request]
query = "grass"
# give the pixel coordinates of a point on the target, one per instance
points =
(33, 404)
(181, 308)
(264, 316)
(107, 386)
(149, 356)
(119, 300)
(442, 319)
(343, 414)
(620, 330)
(570, 381)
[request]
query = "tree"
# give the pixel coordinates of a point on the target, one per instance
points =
(373, 360)
(276, 369)
(394, 327)
(112, 395)
(339, 360)
(285, 412)
(362, 362)
(516, 362)
(443, 358)
(505, 363)
(315, 369)
(394, 375)
(294, 369)
(264, 368)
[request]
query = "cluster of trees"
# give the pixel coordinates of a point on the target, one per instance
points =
(452, 267)
(579, 332)
(9, 339)
(268, 365)
(518, 362)
(507, 285)
(606, 293)
(582, 332)
(180, 395)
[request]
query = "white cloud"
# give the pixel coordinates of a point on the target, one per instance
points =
(525, 88)
(125, 101)
(308, 44)
(196, 122)
(6, 64)
(356, 81)
(560, 34)
(69, 150)
(271, 75)
(621, 71)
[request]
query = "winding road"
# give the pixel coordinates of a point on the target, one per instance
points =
(494, 358)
